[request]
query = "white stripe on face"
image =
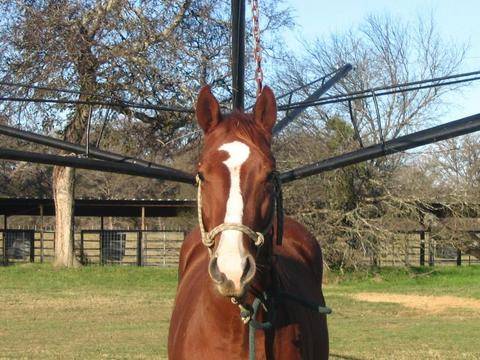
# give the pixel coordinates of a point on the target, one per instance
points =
(230, 251)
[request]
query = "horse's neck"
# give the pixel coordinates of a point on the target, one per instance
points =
(223, 318)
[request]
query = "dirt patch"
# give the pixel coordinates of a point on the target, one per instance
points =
(430, 304)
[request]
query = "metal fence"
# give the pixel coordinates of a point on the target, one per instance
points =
(129, 247)
(162, 248)
(416, 249)
(134, 247)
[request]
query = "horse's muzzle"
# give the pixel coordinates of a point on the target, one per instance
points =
(228, 287)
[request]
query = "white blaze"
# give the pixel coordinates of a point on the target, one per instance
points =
(230, 251)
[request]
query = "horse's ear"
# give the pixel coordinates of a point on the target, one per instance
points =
(207, 110)
(265, 110)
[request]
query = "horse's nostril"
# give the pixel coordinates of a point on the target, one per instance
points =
(249, 269)
(215, 272)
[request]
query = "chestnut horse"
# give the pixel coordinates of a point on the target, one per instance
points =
(245, 259)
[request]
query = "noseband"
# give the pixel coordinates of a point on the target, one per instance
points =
(248, 313)
(258, 238)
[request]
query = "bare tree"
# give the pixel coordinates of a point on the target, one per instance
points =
(157, 52)
(355, 207)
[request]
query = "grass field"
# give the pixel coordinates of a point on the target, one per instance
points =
(123, 313)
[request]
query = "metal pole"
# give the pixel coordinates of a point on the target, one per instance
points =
(98, 165)
(383, 90)
(113, 104)
(422, 247)
(141, 243)
(238, 53)
(5, 226)
(442, 132)
(93, 152)
(42, 237)
(340, 74)
(87, 146)
(164, 248)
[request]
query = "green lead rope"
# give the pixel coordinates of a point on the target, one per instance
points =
(254, 325)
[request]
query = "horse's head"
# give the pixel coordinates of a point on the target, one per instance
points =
(236, 188)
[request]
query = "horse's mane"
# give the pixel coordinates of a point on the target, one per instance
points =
(244, 126)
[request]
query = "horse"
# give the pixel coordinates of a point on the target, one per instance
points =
(243, 255)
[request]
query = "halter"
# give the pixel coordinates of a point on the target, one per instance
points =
(248, 313)
(258, 238)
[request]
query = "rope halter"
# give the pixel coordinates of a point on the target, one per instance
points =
(208, 238)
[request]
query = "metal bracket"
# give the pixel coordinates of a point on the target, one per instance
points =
(354, 123)
(379, 121)
(87, 147)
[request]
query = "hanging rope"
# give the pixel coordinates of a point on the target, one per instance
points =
(257, 49)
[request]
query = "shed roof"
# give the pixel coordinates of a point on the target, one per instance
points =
(99, 207)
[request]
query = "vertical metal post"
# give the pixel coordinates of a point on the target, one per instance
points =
(164, 248)
(139, 248)
(32, 244)
(459, 257)
(238, 53)
(431, 252)
(422, 248)
(82, 248)
(87, 147)
(42, 235)
(100, 247)
(141, 240)
(5, 226)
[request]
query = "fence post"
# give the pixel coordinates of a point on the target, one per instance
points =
(141, 244)
(100, 247)
(5, 227)
(3, 246)
(422, 247)
(139, 248)
(431, 251)
(32, 245)
(82, 249)
(459, 257)
(164, 249)
(42, 237)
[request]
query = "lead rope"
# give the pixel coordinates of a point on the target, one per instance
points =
(257, 49)
(208, 243)
(254, 325)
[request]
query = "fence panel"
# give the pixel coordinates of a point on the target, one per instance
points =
(162, 248)
(18, 246)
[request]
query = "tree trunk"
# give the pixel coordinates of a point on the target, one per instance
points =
(64, 194)
(64, 178)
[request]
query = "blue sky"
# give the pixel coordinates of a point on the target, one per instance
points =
(457, 21)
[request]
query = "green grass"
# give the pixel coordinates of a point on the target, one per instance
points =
(123, 313)
(367, 330)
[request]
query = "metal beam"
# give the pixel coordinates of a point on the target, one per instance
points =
(438, 133)
(93, 152)
(98, 165)
(110, 104)
(238, 53)
(340, 74)
(384, 90)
